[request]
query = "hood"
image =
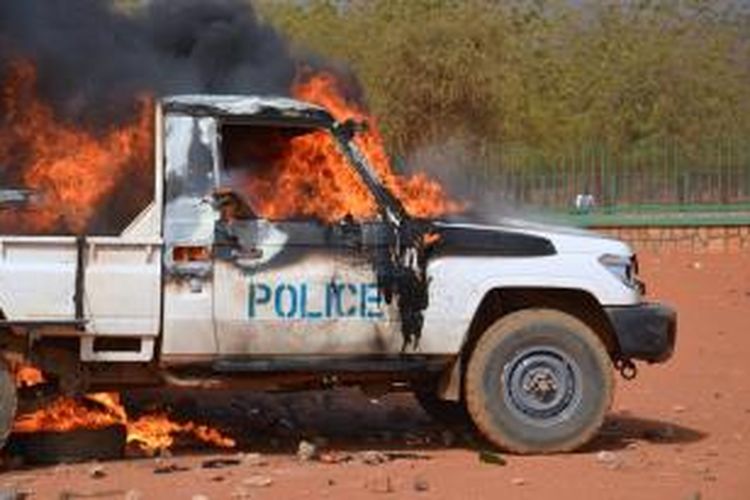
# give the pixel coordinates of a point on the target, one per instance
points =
(519, 238)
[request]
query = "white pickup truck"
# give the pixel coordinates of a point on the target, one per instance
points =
(520, 326)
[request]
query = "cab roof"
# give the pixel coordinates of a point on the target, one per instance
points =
(279, 110)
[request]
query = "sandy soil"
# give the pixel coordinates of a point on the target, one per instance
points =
(679, 431)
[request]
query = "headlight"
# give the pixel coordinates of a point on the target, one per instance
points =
(624, 268)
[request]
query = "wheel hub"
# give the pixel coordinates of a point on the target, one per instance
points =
(542, 385)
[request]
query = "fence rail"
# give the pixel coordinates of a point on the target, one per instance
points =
(662, 176)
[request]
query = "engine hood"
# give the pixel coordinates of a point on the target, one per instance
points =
(519, 238)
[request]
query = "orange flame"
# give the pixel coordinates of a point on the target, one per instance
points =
(149, 432)
(27, 375)
(71, 170)
(312, 178)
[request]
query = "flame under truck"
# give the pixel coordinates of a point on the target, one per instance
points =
(518, 327)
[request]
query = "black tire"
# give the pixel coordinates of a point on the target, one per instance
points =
(539, 381)
(8, 402)
(77, 445)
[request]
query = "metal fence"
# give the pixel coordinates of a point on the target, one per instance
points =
(663, 176)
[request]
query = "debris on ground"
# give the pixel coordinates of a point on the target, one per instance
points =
(257, 481)
(306, 451)
(490, 457)
(169, 468)
(372, 457)
(518, 481)
(254, 459)
(97, 472)
(220, 463)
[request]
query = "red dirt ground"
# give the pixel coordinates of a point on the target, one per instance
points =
(679, 431)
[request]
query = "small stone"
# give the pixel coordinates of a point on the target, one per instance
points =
(306, 451)
(97, 472)
(518, 481)
(421, 484)
(331, 482)
(679, 408)
(372, 457)
(606, 457)
(490, 457)
(696, 495)
(199, 497)
(255, 459)
(697, 265)
(257, 481)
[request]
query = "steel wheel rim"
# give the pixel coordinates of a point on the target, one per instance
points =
(542, 385)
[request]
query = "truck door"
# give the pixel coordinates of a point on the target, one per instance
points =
(285, 282)
(190, 176)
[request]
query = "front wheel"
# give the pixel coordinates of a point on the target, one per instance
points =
(539, 381)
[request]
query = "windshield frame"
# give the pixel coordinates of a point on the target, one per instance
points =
(345, 134)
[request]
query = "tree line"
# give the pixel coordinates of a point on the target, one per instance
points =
(546, 75)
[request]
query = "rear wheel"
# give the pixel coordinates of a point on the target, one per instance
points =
(539, 381)
(8, 402)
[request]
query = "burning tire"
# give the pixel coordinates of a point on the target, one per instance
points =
(77, 445)
(539, 381)
(8, 402)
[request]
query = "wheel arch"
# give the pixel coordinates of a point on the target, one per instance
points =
(499, 302)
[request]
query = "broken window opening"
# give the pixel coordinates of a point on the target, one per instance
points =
(292, 173)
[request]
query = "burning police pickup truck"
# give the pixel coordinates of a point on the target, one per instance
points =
(231, 278)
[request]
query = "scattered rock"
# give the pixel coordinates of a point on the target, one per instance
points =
(257, 481)
(372, 457)
(255, 459)
(199, 497)
(380, 484)
(306, 451)
(169, 468)
(220, 463)
(421, 484)
(696, 495)
(331, 482)
(97, 472)
(697, 265)
(518, 481)
(679, 408)
(490, 457)
(610, 459)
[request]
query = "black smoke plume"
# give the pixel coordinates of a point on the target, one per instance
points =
(93, 60)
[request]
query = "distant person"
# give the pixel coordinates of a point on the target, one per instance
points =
(585, 202)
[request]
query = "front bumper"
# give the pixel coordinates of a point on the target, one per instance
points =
(645, 331)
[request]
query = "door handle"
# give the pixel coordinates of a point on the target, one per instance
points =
(248, 257)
